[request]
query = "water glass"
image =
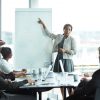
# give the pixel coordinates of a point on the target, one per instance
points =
(75, 77)
(34, 73)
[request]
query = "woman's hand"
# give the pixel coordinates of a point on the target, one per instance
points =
(62, 50)
(2, 42)
(41, 22)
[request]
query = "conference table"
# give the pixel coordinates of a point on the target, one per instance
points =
(54, 80)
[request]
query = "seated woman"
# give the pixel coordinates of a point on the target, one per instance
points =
(4, 64)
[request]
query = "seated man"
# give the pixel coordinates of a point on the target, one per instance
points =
(88, 88)
(4, 64)
(13, 87)
(10, 76)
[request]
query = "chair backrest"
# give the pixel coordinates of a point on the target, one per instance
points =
(97, 95)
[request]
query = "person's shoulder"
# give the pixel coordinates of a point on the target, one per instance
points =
(96, 74)
(60, 35)
(3, 63)
(2, 60)
(72, 38)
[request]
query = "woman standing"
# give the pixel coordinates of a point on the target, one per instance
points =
(65, 45)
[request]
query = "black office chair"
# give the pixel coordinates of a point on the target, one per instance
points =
(8, 96)
(97, 95)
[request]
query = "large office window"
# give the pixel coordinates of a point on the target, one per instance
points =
(84, 17)
(8, 19)
(82, 14)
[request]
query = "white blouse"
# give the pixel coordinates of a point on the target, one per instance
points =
(69, 44)
(5, 66)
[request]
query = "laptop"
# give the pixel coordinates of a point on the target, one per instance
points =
(47, 73)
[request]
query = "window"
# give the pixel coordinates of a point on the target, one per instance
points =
(82, 14)
(84, 17)
(8, 19)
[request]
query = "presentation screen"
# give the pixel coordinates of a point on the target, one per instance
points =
(33, 49)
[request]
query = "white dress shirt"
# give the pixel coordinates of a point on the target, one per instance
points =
(5, 66)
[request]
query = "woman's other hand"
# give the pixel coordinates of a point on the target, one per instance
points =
(62, 50)
(2, 42)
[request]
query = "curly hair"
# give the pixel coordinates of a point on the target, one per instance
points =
(5, 51)
(66, 25)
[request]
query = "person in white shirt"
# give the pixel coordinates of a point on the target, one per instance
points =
(65, 45)
(5, 66)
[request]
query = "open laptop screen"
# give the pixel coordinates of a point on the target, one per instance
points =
(47, 72)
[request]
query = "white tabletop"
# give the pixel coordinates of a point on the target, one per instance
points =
(53, 80)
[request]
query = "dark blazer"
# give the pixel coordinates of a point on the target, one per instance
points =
(91, 85)
(88, 89)
(11, 75)
(6, 85)
(96, 78)
(13, 87)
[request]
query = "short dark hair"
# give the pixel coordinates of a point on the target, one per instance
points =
(5, 51)
(66, 25)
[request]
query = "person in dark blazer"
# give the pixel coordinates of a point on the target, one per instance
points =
(10, 76)
(88, 90)
(14, 87)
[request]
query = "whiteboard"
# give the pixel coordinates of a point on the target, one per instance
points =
(33, 49)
